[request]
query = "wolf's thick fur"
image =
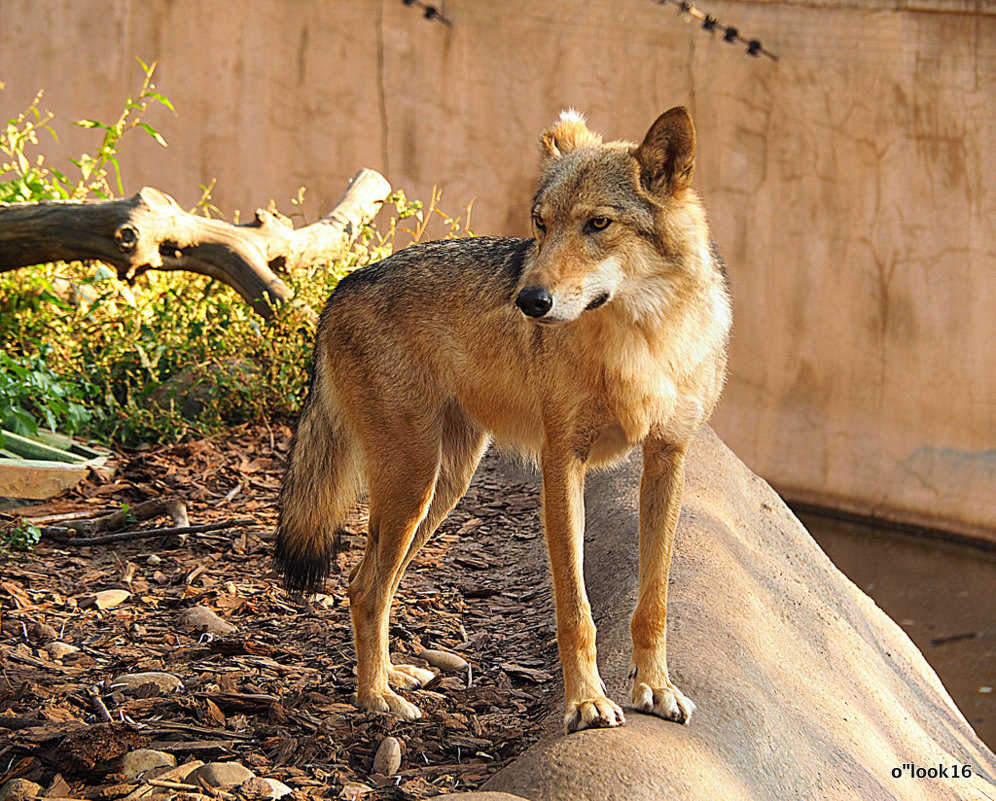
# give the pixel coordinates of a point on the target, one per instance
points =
(606, 331)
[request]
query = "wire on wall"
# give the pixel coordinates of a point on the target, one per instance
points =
(430, 12)
(711, 24)
(685, 10)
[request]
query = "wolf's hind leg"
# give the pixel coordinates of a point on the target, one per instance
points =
(402, 486)
(462, 446)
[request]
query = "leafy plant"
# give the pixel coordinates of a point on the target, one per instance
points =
(24, 179)
(31, 394)
(85, 351)
(22, 535)
(93, 178)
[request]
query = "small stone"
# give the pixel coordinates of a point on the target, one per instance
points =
(180, 774)
(44, 632)
(201, 619)
(222, 774)
(153, 560)
(353, 790)
(131, 682)
(387, 760)
(105, 599)
(19, 790)
(58, 788)
(444, 660)
(263, 789)
(60, 650)
(141, 760)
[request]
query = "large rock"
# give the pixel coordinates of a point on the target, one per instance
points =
(805, 689)
(195, 388)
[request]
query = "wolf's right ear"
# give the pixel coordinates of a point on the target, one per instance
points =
(667, 155)
(569, 132)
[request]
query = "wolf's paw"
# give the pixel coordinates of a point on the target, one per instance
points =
(409, 677)
(389, 702)
(593, 713)
(666, 702)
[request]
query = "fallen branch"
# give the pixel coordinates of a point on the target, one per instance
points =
(151, 232)
(115, 520)
(59, 535)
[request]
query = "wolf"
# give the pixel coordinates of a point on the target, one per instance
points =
(606, 330)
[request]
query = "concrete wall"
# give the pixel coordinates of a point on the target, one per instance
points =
(849, 184)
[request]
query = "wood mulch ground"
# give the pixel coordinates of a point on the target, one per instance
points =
(274, 694)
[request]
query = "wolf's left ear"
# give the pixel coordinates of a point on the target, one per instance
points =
(667, 155)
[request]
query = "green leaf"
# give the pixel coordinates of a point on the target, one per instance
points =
(25, 419)
(117, 173)
(153, 133)
(162, 99)
(92, 124)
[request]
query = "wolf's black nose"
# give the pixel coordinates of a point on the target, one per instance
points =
(534, 301)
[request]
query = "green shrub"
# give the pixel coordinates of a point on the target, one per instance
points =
(87, 352)
(32, 394)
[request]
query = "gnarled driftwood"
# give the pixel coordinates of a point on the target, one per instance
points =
(151, 232)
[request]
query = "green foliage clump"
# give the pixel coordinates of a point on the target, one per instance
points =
(85, 353)
(21, 535)
(31, 392)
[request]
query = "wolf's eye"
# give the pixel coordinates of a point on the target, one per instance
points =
(599, 223)
(538, 222)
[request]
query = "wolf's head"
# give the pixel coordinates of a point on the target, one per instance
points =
(608, 214)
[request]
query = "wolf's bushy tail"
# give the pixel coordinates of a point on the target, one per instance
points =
(323, 477)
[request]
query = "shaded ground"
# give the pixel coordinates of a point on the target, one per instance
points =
(275, 693)
(941, 593)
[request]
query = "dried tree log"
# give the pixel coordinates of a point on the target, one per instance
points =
(151, 232)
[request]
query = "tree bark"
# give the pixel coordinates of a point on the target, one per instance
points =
(151, 232)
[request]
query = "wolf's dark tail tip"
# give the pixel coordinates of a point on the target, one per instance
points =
(305, 573)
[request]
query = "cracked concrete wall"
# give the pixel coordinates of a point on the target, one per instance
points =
(848, 183)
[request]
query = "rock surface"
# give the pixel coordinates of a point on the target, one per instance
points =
(805, 688)
(222, 774)
(387, 760)
(263, 789)
(484, 795)
(141, 760)
(131, 682)
(106, 599)
(202, 619)
(59, 650)
(444, 660)
(19, 790)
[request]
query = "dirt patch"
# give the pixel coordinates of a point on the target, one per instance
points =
(275, 693)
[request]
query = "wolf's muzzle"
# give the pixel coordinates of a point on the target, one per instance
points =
(534, 301)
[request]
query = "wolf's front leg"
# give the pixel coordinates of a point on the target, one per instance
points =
(660, 502)
(563, 509)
